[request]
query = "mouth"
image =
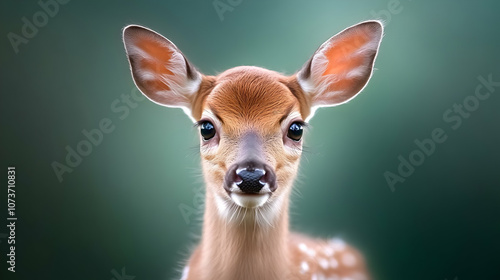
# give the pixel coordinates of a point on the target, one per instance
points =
(247, 200)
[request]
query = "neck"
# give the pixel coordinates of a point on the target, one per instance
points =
(247, 246)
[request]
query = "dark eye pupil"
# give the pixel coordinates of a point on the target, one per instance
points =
(295, 131)
(207, 130)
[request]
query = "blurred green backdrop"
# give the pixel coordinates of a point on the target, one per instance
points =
(120, 207)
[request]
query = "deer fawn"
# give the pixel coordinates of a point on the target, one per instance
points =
(251, 124)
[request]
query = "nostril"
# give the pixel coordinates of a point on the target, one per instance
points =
(250, 180)
(237, 179)
(269, 178)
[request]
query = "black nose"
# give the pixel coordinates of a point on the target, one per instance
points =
(250, 180)
(250, 177)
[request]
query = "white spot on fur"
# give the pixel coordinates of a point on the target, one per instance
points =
(348, 259)
(303, 247)
(323, 263)
(304, 267)
(337, 244)
(320, 276)
(334, 263)
(328, 251)
(311, 253)
(185, 273)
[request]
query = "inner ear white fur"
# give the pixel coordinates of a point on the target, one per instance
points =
(184, 80)
(317, 85)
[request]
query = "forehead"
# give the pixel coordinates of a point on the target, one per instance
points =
(251, 96)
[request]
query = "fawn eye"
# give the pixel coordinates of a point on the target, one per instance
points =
(207, 130)
(295, 131)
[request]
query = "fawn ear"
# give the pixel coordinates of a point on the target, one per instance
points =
(341, 67)
(160, 70)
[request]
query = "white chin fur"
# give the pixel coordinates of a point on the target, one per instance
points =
(249, 201)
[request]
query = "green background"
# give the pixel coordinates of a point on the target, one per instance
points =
(121, 206)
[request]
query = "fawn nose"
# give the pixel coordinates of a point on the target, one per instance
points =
(250, 177)
(250, 180)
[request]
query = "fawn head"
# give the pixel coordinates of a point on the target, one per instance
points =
(251, 119)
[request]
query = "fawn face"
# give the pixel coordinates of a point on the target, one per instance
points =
(251, 136)
(251, 119)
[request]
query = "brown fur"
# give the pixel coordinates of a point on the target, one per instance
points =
(253, 103)
(251, 98)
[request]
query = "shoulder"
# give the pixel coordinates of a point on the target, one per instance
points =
(325, 259)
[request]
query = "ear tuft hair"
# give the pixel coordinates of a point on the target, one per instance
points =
(342, 66)
(160, 70)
